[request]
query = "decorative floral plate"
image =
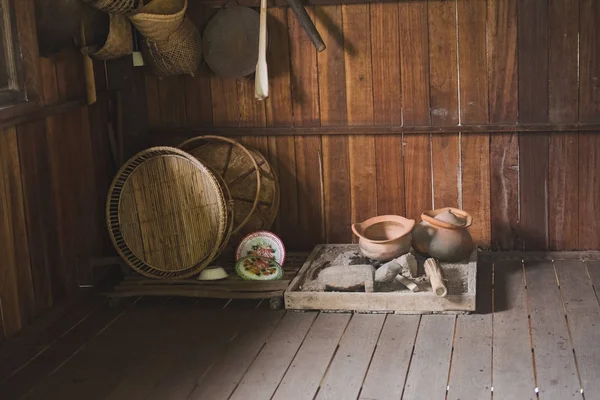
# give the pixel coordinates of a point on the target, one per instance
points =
(258, 269)
(261, 244)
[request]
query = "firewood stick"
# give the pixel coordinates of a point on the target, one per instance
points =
(434, 272)
(408, 283)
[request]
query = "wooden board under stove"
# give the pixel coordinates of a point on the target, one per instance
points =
(232, 287)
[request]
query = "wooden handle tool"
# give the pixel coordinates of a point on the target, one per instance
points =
(307, 24)
(261, 88)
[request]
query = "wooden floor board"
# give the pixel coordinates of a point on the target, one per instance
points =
(387, 373)
(471, 372)
(554, 362)
(593, 269)
(347, 371)
(113, 351)
(261, 380)
(583, 316)
(302, 379)
(69, 344)
(171, 341)
(513, 376)
(223, 377)
(428, 372)
(198, 349)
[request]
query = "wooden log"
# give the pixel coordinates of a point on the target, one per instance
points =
(434, 273)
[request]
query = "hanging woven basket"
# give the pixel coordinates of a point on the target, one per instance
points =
(160, 19)
(119, 41)
(167, 214)
(123, 7)
(180, 54)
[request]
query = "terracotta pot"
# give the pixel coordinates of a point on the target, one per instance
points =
(443, 234)
(385, 237)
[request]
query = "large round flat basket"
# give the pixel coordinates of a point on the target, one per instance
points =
(167, 214)
(251, 180)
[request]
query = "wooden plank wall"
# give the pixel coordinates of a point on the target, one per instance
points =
(54, 176)
(438, 63)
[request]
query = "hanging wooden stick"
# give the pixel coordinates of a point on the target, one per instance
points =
(261, 88)
(434, 272)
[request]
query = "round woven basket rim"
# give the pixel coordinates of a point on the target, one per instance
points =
(256, 168)
(145, 16)
(113, 218)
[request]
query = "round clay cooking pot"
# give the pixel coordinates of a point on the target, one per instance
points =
(385, 237)
(443, 234)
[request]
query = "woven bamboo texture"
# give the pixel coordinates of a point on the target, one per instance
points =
(159, 19)
(180, 54)
(116, 6)
(167, 214)
(119, 41)
(251, 180)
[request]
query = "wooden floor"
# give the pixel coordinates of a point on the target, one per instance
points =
(537, 335)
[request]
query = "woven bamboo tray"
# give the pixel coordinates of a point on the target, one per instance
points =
(167, 214)
(251, 180)
(232, 287)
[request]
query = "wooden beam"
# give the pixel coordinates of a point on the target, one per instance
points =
(374, 130)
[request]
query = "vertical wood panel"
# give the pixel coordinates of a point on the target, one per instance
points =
(589, 61)
(49, 83)
(472, 54)
(476, 184)
(198, 97)
(414, 62)
(39, 213)
(16, 286)
(503, 105)
(444, 101)
(282, 152)
(563, 53)
(305, 99)
(563, 191)
(69, 74)
(152, 101)
(332, 98)
(474, 108)
(563, 204)
(533, 107)
(225, 101)
(387, 110)
(589, 190)
(533, 175)
(504, 190)
(359, 87)
(171, 90)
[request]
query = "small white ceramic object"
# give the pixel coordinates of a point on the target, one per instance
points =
(212, 273)
(261, 244)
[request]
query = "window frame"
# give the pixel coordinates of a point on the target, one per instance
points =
(24, 93)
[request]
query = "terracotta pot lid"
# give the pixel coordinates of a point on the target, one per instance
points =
(449, 217)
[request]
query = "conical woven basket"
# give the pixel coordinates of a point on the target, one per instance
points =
(167, 214)
(159, 19)
(180, 54)
(116, 6)
(119, 42)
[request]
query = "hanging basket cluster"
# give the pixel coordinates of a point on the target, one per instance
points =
(172, 43)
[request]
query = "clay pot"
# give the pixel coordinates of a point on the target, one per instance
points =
(443, 234)
(385, 237)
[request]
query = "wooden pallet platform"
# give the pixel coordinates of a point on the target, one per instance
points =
(233, 287)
